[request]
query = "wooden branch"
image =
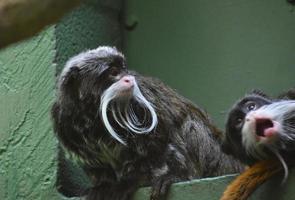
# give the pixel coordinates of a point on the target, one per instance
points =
(20, 19)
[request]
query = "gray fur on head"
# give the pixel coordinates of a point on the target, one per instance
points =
(114, 99)
(82, 60)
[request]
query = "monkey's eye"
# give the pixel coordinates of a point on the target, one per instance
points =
(238, 122)
(114, 71)
(237, 119)
(251, 106)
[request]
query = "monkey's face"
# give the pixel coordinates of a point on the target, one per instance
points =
(99, 80)
(258, 127)
(272, 127)
(238, 137)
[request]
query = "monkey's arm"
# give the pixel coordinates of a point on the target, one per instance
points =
(246, 183)
(71, 180)
(107, 186)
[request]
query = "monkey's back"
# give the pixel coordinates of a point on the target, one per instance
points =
(190, 132)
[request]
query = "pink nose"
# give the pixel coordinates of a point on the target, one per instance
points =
(265, 127)
(128, 79)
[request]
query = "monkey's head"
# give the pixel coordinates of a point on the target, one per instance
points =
(240, 141)
(99, 80)
(258, 128)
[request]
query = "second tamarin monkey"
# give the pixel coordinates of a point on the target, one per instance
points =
(260, 132)
(127, 130)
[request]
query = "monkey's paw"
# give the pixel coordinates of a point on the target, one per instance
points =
(160, 188)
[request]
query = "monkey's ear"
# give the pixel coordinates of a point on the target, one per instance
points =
(69, 88)
(225, 147)
(71, 78)
(259, 93)
(71, 81)
(290, 94)
(225, 143)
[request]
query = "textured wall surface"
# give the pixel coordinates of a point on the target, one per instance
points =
(27, 147)
(27, 82)
(214, 51)
(93, 24)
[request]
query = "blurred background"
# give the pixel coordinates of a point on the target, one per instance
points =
(213, 52)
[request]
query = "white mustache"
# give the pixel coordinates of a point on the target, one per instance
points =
(281, 112)
(123, 112)
(278, 110)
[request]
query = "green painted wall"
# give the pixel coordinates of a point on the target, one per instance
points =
(93, 24)
(27, 82)
(26, 141)
(213, 52)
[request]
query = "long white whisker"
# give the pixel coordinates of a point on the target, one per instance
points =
(133, 116)
(123, 113)
(115, 116)
(130, 124)
(106, 98)
(145, 114)
(123, 119)
(282, 161)
(127, 123)
(130, 114)
(148, 105)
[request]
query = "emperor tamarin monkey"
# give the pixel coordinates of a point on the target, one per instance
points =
(260, 127)
(127, 130)
(260, 132)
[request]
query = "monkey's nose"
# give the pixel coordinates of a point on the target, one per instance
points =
(266, 127)
(129, 80)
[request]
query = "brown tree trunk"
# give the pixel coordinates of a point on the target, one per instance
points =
(20, 19)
